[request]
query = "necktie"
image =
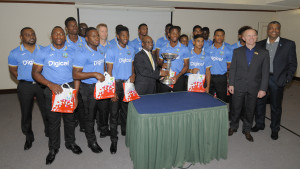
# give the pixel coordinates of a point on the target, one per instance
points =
(151, 60)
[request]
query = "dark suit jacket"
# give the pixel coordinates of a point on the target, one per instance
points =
(250, 78)
(285, 61)
(145, 79)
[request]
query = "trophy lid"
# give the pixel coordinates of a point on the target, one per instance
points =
(169, 55)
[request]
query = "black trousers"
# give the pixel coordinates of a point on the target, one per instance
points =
(55, 122)
(90, 107)
(26, 93)
(276, 96)
(115, 106)
(102, 114)
(240, 100)
(178, 86)
(218, 85)
(79, 112)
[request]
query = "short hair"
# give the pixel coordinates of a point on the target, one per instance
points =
(198, 36)
(251, 29)
(205, 29)
(99, 25)
(197, 26)
(243, 29)
(118, 26)
(275, 22)
(69, 19)
(174, 27)
(168, 25)
(182, 36)
(143, 24)
(123, 28)
(90, 29)
(219, 30)
(23, 29)
(55, 27)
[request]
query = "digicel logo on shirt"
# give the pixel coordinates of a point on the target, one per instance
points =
(214, 58)
(27, 62)
(98, 62)
(124, 60)
(197, 64)
(58, 64)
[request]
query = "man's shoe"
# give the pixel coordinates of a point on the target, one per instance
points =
(231, 131)
(95, 147)
(104, 134)
(74, 148)
(51, 156)
(123, 133)
(248, 136)
(274, 135)
(27, 145)
(113, 147)
(82, 130)
(256, 129)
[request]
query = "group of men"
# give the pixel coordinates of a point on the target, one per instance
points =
(81, 61)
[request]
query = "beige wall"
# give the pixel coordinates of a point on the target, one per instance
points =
(290, 27)
(14, 16)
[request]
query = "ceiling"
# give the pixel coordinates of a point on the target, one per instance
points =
(272, 5)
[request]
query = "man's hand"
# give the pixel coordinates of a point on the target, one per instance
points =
(207, 90)
(115, 98)
(195, 70)
(174, 79)
(261, 94)
(164, 73)
(99, 76)
(165, 66)
(132, 78)
(231, 89)
(55, 88)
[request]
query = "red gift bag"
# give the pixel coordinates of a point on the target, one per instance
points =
(65, 101)
(196, 83)
(129, 92)
(105, 89)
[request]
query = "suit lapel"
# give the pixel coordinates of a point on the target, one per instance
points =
(147, 58)
(244, 58)
(279, 47)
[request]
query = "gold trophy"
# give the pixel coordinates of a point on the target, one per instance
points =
(168, 57)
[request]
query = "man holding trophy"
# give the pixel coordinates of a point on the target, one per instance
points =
(176, 59)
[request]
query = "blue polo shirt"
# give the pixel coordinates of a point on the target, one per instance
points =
(103, 49)
(137, 44)
(57, 63)
(122, 59)
(199, 61)
(76, 46)
(90, 61)
(236, 45)
(23, 59)
(191, 45)
(113, 42)
(161, 42)
(219, 57)
(181, 50)
(207, 43)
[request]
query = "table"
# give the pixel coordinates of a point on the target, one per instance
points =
(166, 130)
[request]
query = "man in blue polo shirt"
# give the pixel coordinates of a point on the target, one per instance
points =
(137, 42)
(197, 30)
(114, 41)
(53, 67)
(119, 60)
(76, 42)
(20, 62)
(221, 56)
(162, 41)
(104, 44)
(205, 33)
(199, 62)
(180, 65)
(89, 68)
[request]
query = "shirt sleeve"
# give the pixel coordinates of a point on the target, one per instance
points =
(110, 57)
(185, 54)
(79, 60)
(39, 57)
(12, 61)
(208, 62)
(229, 55)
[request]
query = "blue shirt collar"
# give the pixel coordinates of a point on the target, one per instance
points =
(178, 45)
(69, 40)
(54, 49)
(121, 47)
(222, 47)
(22, 48)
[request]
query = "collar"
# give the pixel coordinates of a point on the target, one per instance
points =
(202, 52)
(138, 38)
(277, 40)
(239, 44)
(178, 45)
(69, 40)
(54, 49)
(213, 46)
(121, 47)
(90, 49)
(146, 51)
(22, 48)
(165, 38)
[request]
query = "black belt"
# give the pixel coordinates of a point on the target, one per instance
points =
(120, 81)
(219, 75)
(28, 82)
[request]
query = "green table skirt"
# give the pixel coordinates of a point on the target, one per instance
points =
(169, 140)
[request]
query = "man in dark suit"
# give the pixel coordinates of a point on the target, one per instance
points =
(146, 69)
(248, 80)
(283, 64)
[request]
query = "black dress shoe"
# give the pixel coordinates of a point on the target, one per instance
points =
(123, 133)
(113, 147)
(248, 136)
(256, 129)
(274, 135)
(74, 148)
(51, 156)
(104, 134)
(231, 131)
(95, 147)
(82, 130)
(27, 145)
